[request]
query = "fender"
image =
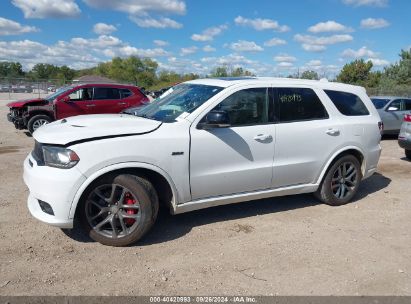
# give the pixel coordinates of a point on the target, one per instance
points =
(332, 158)
(125, 165)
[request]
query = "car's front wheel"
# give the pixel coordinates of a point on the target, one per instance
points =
(37, 121)
(341, 182)
(118, 210)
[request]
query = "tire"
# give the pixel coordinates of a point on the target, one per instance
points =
(408, 154)
(340, 185)
(37, 121)
(123, 226)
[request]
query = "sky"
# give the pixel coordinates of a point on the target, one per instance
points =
(266, 37)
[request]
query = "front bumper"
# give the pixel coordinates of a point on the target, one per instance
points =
(405, 143)
(18, 122)
(57, 187)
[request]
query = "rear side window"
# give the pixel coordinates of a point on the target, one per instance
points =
(298, 104)
(106, 93)
(348, 104)
(124, 93)
(407, 104)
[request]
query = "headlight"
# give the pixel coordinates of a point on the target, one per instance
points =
(59, 157)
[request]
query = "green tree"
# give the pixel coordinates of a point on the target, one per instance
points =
(313, 75)
(356, 72)
(11, 69)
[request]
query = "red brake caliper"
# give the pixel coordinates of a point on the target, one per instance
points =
(129, 200)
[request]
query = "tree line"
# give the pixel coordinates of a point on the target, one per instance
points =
(144, 72)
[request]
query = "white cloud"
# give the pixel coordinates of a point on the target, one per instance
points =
(209, 33)
(362, 52)
(160, 23)
(379, 3)
(378, 62)
(10, 27)
(209, 48)
(160, 42)
(371, 23)
(314, 63)
(48, 8)
(284, 58)
(188, 50)
(245, 46)
(261, 24)
(103, 28)
(139, 7)
(76, 53)
(285, 64)
(329, 26)
(275, 42)
(319, 43)
(313, 47)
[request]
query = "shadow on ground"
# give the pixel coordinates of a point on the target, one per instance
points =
(168, 227)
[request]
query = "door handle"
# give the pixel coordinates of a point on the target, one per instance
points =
(333, 132)
(262, 137)
(90, 105)
(122, 103)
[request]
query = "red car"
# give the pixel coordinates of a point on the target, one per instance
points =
(74, 100)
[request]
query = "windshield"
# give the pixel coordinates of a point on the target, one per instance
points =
(379, 103)
(183, 98)
(57, 93)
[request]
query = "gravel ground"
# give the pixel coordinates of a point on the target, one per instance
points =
(282, 246)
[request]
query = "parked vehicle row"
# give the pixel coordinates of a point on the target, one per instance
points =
(404, 138)
(392, 110)
(74, 100)
(205, 143)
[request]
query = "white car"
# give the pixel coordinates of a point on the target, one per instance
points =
(209, 142)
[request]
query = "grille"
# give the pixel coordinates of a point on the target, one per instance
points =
(37, 153)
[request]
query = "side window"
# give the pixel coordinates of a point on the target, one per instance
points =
(106, 93)
(246, 107)
(124, 93)
(82, 94)
(298, 104)
(348, 104)
(407, 104)
(395, 105)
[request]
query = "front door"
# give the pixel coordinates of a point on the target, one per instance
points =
(394, 114)
(80, 103)
(239, 158)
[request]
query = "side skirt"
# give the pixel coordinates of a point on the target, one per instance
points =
(242, 197)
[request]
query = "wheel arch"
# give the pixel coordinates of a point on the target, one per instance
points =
(351, 150)
(161, 181)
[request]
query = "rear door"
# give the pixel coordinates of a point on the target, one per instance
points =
(107, 100)
(305, 136)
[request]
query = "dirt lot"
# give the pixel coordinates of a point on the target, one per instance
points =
(285, 246)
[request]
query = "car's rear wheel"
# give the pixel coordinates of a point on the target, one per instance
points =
(118, 210)
(408, 154)
(341, 182)
(37, 121)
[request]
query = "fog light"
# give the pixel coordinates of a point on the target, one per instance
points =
(46, 207)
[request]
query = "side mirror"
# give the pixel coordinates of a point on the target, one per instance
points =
(65, 98)
(215, 119)
(392, 109)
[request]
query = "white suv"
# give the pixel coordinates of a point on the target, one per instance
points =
(207, 142)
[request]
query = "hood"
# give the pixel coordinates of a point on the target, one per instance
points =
(23, 102)
(82, 128)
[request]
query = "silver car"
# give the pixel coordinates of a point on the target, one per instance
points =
(392, 110)
(404, 139)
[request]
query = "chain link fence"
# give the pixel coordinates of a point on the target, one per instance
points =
(21, 88)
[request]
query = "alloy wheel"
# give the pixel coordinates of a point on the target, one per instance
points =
(344, 180)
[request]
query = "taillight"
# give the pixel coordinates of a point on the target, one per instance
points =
(145, 100)
(381, 126)
(407, 117)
